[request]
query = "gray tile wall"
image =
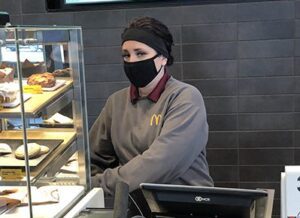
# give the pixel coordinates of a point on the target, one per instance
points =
(243, 57)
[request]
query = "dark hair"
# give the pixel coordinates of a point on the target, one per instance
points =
(157, 28)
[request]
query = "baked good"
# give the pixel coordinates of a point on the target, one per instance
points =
(5, 149)
(33, 151)
(29, 68)
(27, 64)
(8, 92)
(46, 80)
(8, 203)
(7, 74)
(44, 149)
(63, 72)
(8, 191)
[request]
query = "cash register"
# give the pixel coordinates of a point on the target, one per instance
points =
(181, 201)
(205, 202)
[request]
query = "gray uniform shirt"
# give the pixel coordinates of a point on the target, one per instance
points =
(154, 142)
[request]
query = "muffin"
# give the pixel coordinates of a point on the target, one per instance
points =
(29, 68)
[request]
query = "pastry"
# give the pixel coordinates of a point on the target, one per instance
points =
(8, 191)
(8, 203)
(8, 92)
(27, 64)
(62, 72)
(44, 149)
(29, 68)
(6, 74)
(46, 80)
(5, 149)
(33, 151)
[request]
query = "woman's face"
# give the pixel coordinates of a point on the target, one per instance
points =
(133, 51)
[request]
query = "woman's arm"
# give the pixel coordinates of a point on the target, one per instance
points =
(102, 152)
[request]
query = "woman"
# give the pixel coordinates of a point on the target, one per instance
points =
(156, 130)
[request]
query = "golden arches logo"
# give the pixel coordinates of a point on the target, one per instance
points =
(155, 117)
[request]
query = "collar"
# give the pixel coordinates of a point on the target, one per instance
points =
(156, 92)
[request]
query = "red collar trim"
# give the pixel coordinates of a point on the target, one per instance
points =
(156, 92)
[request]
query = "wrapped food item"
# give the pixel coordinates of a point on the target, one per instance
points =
(46, 80)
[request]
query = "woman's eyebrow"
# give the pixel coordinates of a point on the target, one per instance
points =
(134, 50)
(138, 49)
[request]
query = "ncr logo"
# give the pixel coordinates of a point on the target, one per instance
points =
(201, 199)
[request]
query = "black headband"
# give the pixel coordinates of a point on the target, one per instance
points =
(146, 37)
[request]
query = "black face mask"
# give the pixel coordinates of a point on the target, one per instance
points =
(141, 73)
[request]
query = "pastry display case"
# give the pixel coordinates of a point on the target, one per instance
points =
(44, 151)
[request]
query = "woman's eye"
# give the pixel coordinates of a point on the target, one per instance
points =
(125, 56)
(139, 54)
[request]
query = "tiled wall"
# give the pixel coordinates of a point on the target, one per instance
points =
(243, 57)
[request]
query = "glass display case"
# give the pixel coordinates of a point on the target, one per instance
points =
(44, 151)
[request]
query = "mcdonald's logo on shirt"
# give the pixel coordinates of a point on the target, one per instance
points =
(155, 118)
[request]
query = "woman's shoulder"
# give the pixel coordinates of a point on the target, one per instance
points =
(182, 90)
(119, 95)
